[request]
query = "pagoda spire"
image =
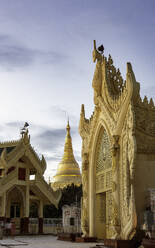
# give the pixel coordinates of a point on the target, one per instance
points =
(68, 171)
(68, 155)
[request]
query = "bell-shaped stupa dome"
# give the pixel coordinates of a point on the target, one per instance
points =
(68, 171)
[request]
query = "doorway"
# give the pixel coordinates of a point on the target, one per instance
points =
(101, 215)
(15, 210)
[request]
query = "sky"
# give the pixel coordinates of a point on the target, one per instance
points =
(46, 65)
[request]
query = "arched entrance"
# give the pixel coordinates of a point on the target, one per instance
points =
(103, 180)
(15, 207)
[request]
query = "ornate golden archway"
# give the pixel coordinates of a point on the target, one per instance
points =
(103, 184)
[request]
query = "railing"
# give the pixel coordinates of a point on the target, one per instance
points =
(33, 225)
(53, 221)
(52, 225)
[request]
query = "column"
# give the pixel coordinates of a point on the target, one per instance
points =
(25, 220)
(84, 203)
(115, 188)
(27, 201)
(4, 204)
(91, 205)
(41, 209)
(40, 227)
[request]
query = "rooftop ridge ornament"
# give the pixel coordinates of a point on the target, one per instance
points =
(24, 129)
(115, 81)
(98, 53)
(10, 143)
(108, 82)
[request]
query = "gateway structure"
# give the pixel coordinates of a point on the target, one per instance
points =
(118, 153)
(22, 184)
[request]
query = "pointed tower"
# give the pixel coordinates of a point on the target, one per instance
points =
(68, 171)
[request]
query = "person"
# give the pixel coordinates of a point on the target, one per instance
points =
(150, 222)
(8, 228)
(13, 228)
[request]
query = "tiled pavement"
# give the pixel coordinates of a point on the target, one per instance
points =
(41, 241)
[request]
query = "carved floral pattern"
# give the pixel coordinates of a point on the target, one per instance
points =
(126, 117)
(84, 219)
(128, 164)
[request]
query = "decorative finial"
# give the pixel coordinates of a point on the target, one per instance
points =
(68, 126)
(151, 103)
(24, 129)
(101, 49)
(82, 110)
(94, 44)
(97, 54)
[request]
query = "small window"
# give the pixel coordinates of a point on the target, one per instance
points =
(21, 174)
(71, 221)
(32, 177)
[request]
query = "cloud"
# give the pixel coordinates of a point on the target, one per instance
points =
(15, 124)
(15, 55)
(54, 158)
(52, 139)
(3, 37)
(45, 137)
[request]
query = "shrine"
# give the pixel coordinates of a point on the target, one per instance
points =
(118, 153)
(22, 184)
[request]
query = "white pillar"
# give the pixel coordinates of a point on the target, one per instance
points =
(91, 205)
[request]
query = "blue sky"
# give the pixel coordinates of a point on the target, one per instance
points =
(46, 65)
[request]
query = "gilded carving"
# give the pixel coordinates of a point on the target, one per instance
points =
(128, 159)
(128, 129)
(114, 186)
(97, 79)
(145, 116)
(84, 217)
(103, 153)
(103, 162)
(115, 181)
(114, 78)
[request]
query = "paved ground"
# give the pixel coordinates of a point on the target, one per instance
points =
(41, 241)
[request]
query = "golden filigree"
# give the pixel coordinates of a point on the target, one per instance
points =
(84, 217)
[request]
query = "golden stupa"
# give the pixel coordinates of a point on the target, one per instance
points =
(68, 171)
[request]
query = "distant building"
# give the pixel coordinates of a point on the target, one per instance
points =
(118, 153)
(22, 185)
(68, 171)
